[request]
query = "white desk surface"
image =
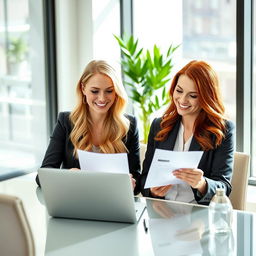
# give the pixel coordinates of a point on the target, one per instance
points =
(174, 229)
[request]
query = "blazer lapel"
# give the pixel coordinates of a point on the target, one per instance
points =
(194, 146)
(170, 141)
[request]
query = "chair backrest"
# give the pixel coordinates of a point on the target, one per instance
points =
(239, 181)
(15, 233)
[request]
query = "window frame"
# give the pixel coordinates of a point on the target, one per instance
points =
(244, 79)
(49, 15)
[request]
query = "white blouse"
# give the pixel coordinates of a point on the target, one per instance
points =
(95, 149)
(181, 192)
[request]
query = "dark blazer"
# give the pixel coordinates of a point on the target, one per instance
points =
(217, 164)
(60, 149)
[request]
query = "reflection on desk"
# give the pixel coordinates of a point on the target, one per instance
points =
(69, 237)
(183, 229)
(221, 244)
(173, 228)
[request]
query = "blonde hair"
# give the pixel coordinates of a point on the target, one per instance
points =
(115, 125)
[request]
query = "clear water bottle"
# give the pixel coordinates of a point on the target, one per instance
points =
(220, 213)
(221, 244)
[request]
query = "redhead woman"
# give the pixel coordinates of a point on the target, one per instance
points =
(96, 124)
(194, 121)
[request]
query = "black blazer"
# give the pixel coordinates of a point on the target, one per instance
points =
(217, 164)
(60, 149)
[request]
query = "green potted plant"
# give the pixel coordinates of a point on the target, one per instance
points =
(147, 74)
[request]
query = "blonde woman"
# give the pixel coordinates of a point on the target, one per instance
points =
(96, 124)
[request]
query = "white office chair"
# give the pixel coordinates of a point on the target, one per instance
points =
(239, 181)
(16, 238)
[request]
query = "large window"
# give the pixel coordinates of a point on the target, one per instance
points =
(205, 31)
(22, 86)
(106, 24)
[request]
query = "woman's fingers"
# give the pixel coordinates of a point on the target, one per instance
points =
(160, 191)
(133, 181)
(194, 177)
(74, 169)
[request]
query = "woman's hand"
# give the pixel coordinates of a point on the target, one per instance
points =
(194, 177)
(133, 181)
(74, 169)
(160, 191)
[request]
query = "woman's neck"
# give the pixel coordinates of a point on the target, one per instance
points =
(97, 129)
(98, 120)
(188, 124)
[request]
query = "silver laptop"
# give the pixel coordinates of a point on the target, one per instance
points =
(89, 195)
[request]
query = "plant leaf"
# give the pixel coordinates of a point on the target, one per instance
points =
(120, 41)
(134, 47)
(163, 93)
(139, 53)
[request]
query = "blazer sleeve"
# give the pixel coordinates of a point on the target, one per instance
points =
(220, 173)
(151, 146)
(55, 152)
(133, 146)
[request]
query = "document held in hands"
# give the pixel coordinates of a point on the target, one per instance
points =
(165, 162)
(99, 162)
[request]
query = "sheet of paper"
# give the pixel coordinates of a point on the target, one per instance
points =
(99, 162)
(165, 162)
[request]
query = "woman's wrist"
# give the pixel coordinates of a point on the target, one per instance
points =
(202, 188)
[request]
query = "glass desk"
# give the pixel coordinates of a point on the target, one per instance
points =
(165, 228)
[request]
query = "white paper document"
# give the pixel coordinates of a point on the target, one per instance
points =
(99, 162)
(165, 162)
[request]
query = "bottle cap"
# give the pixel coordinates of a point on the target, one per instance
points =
(220, 192)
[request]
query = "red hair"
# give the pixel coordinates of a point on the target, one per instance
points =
(210, 122)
